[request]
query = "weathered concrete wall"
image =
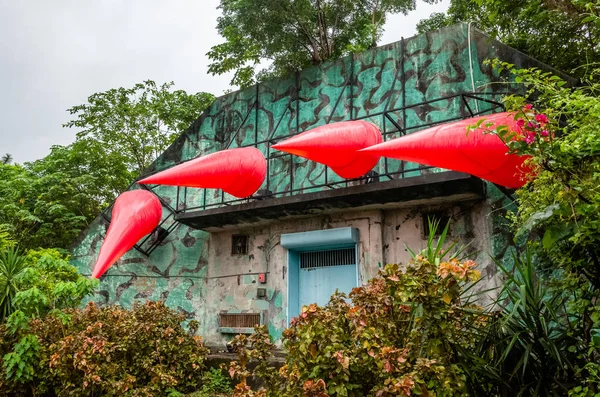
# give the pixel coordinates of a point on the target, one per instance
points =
(191, 269)
(232, 280)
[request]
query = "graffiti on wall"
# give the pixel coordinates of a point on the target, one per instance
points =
(401, 87)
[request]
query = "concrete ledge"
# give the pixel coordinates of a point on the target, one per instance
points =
(236, 330)
(320, 239)
(454, 186)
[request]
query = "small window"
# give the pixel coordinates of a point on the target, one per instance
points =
(440, 217)
(239, 244)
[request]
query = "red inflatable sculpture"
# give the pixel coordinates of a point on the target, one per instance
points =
(336, 145)
(135, 214)
(449, 146)
(239, 172)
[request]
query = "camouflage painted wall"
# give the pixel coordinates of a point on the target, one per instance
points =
(408, 84)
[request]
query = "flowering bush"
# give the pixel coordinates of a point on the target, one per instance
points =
(401, 334)
(101, 351)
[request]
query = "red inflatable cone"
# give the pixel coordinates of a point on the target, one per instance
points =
(239, 172)
(135, 214)
(336, 145)
(449, 146)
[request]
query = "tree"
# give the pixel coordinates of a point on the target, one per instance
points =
(295, 34)
(98, 173)
(564, 34)
(135, 125)
(46, 203)
(43, 210)
(6, 159)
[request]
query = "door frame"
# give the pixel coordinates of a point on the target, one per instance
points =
(317, 240)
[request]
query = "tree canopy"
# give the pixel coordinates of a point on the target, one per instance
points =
(46, 203)
(137, 124)
(564, 33)
(295, 34)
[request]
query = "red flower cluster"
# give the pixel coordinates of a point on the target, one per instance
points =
(532, 124)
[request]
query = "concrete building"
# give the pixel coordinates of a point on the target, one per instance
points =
(230, 263)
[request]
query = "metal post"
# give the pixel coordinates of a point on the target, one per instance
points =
(352, 87)
(403, 80)
(256, 119)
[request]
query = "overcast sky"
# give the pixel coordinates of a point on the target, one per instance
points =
(54, 54)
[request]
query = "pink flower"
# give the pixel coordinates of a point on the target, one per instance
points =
(544, 133)
(530, 137)
(521, 123)
(531, 124)
(541, 118)
(528, 106)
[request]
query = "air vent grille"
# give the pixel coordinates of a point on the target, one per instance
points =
(239, 244)
(239, 320)
(318, 259)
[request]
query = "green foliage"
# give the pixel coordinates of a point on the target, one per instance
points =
(41, 281)
(401, 334)
(135, 125)
(294, 34)
(531, 349)
(6, 239)
(563, 34)
(42, 206)
(214, 383)
(20, 363)
(97, 173)
(559, 210)
(12, 269)
(562, 202)
(49, 283)
(109, 351)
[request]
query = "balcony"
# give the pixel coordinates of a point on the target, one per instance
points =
(425, 189)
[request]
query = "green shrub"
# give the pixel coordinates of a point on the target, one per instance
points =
(102, 352)
(214, 382)
(12, 269)
(399, 335)
(256, 347)
(40, 281)
(559, 214)
(531, 348)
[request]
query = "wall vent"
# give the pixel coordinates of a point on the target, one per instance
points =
(239, 320)
(318, 259)
(239, 244)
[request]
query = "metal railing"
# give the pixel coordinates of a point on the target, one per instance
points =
(395, 117)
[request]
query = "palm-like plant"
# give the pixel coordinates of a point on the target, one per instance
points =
(6, 159)
(12, 268)
(526, 348)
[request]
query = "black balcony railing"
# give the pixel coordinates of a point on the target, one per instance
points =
(395, 117)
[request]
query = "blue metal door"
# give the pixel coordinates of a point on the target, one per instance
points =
(324, 272)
